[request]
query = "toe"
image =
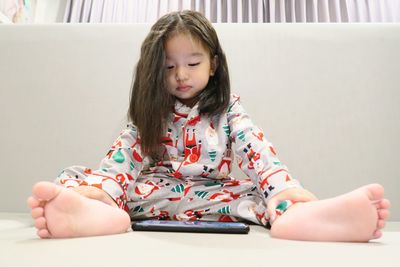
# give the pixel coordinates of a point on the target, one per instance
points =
(375, 191)
(32, 202)
(43, 233)
(37, 212)
(377, 234)
(40, 223)
(380, 224)
(383, 214)
(45, 190)
(384, 204)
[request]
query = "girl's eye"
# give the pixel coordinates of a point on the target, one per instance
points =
(194, 64)
(170, 67)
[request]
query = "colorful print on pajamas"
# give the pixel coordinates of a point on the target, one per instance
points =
(191, 180)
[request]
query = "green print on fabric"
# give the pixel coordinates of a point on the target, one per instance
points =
(138, 209)
(230, 108)
(132, 166)
(282, 206)
(152, 164)
(178, 189)
(227, 130)
(277, 163)
(225, 210)
(212, 154)
(213, 184)
(104, 170)
(201, 194)
(118, 157)
(241, 136)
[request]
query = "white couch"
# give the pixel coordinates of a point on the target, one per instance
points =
(326, 95)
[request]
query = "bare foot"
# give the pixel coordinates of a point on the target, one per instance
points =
(60, 212)
(357, 216)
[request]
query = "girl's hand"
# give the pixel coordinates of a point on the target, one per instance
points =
(293, 194)
(95, 193)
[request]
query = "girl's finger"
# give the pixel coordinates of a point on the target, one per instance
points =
(271, 209)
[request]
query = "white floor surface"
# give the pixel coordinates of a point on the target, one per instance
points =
(19, 246)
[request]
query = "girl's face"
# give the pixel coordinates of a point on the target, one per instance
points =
(189, 68)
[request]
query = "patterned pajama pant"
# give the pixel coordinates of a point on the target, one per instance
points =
(158, 196)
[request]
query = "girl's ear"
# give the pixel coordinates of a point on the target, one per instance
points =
(214, 65)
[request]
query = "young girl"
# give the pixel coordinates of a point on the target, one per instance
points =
(173, 160)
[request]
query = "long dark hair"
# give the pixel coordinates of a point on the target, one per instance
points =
(150, 102)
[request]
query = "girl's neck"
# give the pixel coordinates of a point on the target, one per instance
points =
(189, 103)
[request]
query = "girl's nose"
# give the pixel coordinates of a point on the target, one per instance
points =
(181, 74)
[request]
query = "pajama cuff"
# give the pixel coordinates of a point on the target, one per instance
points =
(278, 181)
(280, 209)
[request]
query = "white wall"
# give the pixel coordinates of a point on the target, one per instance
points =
(49, 11)
(326, 95)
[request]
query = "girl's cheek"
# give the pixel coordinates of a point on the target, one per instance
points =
(171, 81)
(169, 78)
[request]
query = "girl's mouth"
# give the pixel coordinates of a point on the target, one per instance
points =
(184, 88)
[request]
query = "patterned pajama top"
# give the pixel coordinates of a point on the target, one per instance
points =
(191, 181)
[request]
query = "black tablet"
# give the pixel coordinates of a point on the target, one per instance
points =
(191, 226)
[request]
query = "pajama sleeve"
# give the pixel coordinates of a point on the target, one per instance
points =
(118, 171)
(256, 155)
